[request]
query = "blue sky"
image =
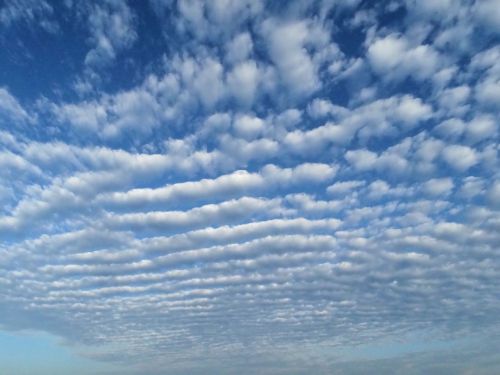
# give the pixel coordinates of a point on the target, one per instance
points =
(245, 186)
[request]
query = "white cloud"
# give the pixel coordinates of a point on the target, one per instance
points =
(86, 117)
(239, 49)
(460, 157)
(135, 111)
(344, 187)
(481, 127)
(316, 140)
(373, 119)
(395, 58)
(411, 110)
(229, 185)
(13, 165)
(112, 29)
(243, 82)
(454, 100)
(10, 108)
(434, 9)
(378, 189)
(488, 92)
(248, 127)
(242, 151)
(314, 172)
(361, 159)
(429, 149)
(208, 20)
(286, 49)
(488, 12)
(321, 108)
(224, 212)
(472, 187)
(308, 204)
(208, 83)
(487, 89)
(494, 193)
(452, 128)
(387, 53)
(438, 186)
(393, 160)
(35, 13)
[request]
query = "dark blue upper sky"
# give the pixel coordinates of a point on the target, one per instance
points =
(249, 186)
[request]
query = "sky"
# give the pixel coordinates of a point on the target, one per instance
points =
(249, 186)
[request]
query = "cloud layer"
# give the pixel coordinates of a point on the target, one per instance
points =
(254, 187)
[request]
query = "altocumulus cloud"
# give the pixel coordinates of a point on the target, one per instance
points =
(231, 186)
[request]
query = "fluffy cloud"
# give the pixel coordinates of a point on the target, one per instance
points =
(460, 157)
(395, 58)
(487, 11)
(135, 111)
(287, 51)
(239, 49)
(361, 159)
(111, 25)
(481, 127)
(248, 127)
(243, 82)
(438, 186)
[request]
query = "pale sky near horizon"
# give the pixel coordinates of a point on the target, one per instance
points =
(249, 186)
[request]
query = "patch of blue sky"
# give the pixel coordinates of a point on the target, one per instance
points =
(29, 352)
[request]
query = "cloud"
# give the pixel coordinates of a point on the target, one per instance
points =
(12, 112)
(472, 187)
(229, 211)
(248, 127)
(452, 128)
(111, 26)
(239, 49)
(361, 159)
(494, 193)
(487, 88)
(438, 186)
(481, 127)
(459, 157)
(375, 119)
(214, 19)
(135, 112)
(395, 58)
(487, 12)
(488, 92)
(454, 100)
(411, 110)
(33, 13)
(243, 82)
(321, 108)
(208, 83)
(86, 117)
(286, 49)
(233, 184)
(344, 187)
